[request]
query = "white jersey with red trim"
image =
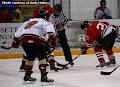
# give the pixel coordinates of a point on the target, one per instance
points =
(35, 26)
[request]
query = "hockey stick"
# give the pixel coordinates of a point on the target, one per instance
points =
(61, 65)
(64, 66)
(109, 73)
(4, 47)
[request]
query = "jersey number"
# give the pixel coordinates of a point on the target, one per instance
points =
(30, 24)
(101, 26)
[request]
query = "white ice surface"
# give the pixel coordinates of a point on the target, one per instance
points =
(82, 74)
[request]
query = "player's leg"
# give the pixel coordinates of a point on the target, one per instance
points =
(31, 55)
(107, 44)
(42, 67)
(51, 61)
(22, 66)
(111, 57)
(28, 71)
(99, 56)
(65, 46)
(50, 58)
(42, 56)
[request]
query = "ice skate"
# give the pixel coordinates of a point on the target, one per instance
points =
(103, 64)
(52, 67)
(45, 80)
(22, 68)
(111, 63)
(29, 78)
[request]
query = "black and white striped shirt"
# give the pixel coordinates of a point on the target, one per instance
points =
(59, 22)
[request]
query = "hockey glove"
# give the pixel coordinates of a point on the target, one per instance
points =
(52, 40)
(84, 50)
(15, 43)
(49, 49)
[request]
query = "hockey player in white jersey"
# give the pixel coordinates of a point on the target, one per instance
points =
(34, 35)
(50, 58)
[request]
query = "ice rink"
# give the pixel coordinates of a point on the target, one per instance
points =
(82, 74)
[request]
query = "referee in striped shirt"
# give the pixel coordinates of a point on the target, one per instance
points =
(59, 20)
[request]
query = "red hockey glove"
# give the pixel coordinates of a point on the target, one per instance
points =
(84, 50)
(52, 41)
(15, 43)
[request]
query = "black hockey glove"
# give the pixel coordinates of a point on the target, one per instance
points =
(16, 42)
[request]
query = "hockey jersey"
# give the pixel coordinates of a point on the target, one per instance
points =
(36, 29)
(96, 31)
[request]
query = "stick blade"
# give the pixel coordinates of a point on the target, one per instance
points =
(105, 73)
(64, 66)
(3, 47)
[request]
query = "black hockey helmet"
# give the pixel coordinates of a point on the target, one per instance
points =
(102, 2)
(58, 7)
(84, 25)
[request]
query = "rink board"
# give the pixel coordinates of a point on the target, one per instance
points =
(56, 53)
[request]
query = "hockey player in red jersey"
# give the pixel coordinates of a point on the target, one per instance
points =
(102, 35)
(34, 36)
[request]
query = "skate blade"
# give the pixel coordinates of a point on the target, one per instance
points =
(46, 83)
(29, 82)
